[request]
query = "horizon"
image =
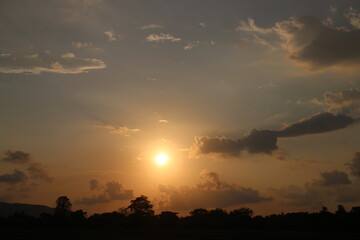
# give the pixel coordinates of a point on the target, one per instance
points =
(194, 104)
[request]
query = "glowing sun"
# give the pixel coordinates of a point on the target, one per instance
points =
(161, 159)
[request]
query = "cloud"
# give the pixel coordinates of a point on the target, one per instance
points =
(318, 123)
(332, 178)
(35, 169)
(17, 157)
(201, 24)
(210, 192)
(111, 35)
(250, 26)
(14, 178)
(265, 141)
(354, 165)
(82, 44)
(311, 42)
(191, 45)
(346, 102)
(353, 16)
(151, 26)
(308, 41)
(46, 61)
(116, 191)
(343, 110)
(161, 37)
(111, 192)
(94, 184)
(163, 121)
(125, 131)
(38, 172)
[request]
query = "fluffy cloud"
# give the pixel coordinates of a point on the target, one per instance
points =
(46, 61)
(354, 165)
(161, 37)
(14, 178)
(210, 192)
(308, 41)
(354, 17)
(111, 191)
(311, 42)
(122, 130)
(333, 178)
(17, 157)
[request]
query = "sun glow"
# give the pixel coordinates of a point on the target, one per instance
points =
(161, 159)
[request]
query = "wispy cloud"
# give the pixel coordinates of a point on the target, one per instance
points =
(151, 26)
(67, 63)
(191, 45)
(162, 37)
(122, 130)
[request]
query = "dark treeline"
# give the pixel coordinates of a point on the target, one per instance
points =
(140, 215)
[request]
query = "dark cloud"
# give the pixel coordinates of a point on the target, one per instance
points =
(46, 61)
(319, 123)
(38, 172)
(14, 178)
(117, 192)
(210, 192)
(333, 178)
(17, 157)
(258, 141)
(309, 41)
(94, 184)
(354, 165)
(265, 141)
(111, 192)
(35, 169)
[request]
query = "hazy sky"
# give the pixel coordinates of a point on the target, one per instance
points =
(255, 103)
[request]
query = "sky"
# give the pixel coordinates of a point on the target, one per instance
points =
(253, 103)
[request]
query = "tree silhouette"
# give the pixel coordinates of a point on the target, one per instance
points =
(340, 210)
(141, 207)
(63, 206)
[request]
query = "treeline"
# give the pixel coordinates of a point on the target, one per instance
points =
(140, 215)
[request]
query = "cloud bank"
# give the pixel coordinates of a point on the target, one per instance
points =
(210, 192)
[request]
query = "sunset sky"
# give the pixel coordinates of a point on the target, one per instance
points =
(253, 103)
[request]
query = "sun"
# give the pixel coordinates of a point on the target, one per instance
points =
(161, 159)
